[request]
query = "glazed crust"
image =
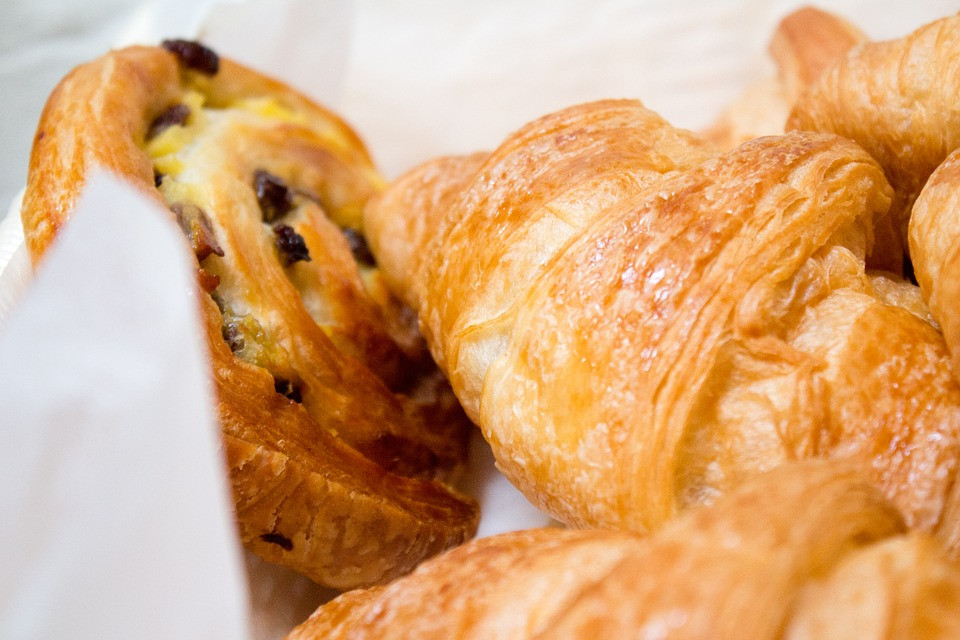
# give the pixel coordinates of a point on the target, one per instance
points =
(897, 99)
(334, 475)
(639, 324)
(502, 220)
(396, 240)
(935, 249)
(805, 551)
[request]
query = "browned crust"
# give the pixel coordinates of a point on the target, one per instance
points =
(806, 551)
(659, 322)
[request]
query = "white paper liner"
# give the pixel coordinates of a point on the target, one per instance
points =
(15, 271)
(117, 517)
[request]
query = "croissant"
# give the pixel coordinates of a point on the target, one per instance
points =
(805, 551)
(639, 324)
(333, 474)
(897, 100)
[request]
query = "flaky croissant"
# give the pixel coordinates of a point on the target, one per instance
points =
(333, 475)
(805, 551)
(639, 324)
(897, 99)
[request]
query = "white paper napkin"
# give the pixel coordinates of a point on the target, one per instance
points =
(427, 78)
(116, 517)
(15, 271)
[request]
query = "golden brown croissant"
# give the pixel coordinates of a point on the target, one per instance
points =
(935, 249)
(897, 100)
(804, 43)
(333, 474)
(805, 551)
(639, 324)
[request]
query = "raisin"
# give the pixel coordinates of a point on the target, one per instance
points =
(273, 195)
(291, 245)
(175, 115)
(196, 226)
(359, 247)
(194, 55)
(233, 337)
(280, 540)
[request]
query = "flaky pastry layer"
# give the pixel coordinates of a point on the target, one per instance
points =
(805, 551)
(639, 323)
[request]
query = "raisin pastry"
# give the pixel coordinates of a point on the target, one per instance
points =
(333, 473)
(639, 324)
(806, 551)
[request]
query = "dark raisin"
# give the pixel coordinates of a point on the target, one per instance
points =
(175, 115)
(287, 389)
(280, 540)
(233, 337)
(194, 55)
(359, 247)
(157, 179)
(273, 195)
(196, 226)
(291, 245)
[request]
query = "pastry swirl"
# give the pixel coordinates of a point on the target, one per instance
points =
(334, 474)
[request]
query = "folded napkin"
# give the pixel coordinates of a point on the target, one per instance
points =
(117, 518)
